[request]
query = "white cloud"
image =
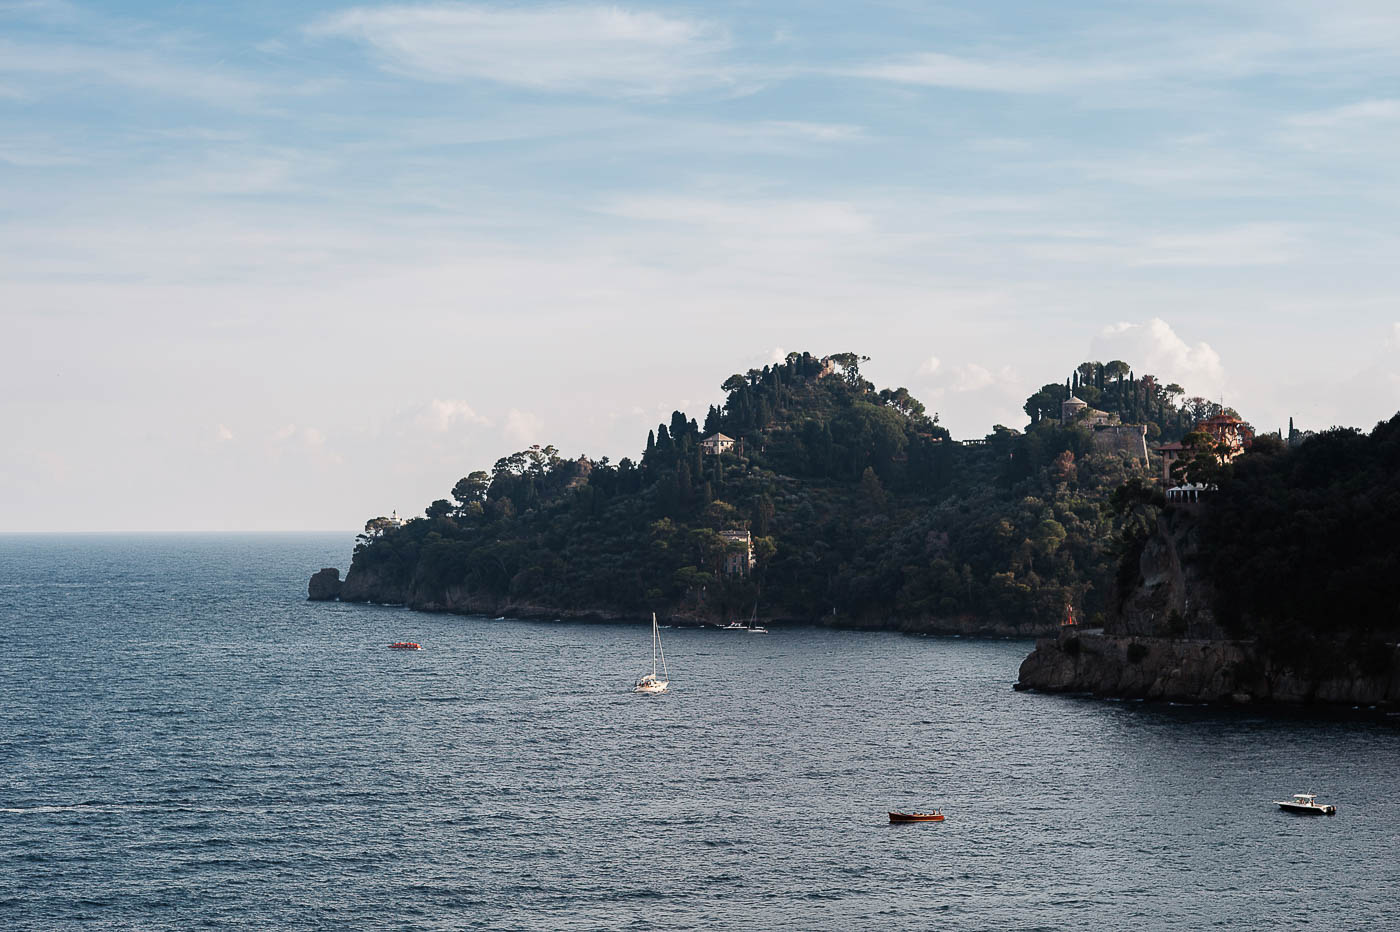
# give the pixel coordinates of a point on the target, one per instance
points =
(284, 432)
(817, 132)
(935, 69)
(1395, 335)
(1249, 244)
(125, 68)
(758, 217)
(579, 49)
(522, 427)
(970, 377)
(1230, 247)
(1363, 112)
(442, 415)
(223, 434)
(930, 365)
(1154, 348)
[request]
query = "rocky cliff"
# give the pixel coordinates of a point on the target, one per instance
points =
(1200, 671)
(324, 585)
(1163, 642)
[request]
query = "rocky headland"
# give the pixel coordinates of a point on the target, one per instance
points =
(1164, 642)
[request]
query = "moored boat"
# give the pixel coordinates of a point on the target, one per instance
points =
(1305, 804)
(652, 682)
(405, 645)
(934, 816)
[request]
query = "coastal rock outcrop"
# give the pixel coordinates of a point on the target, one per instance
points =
(324, 586)
(1165, 643)
(1200, 671)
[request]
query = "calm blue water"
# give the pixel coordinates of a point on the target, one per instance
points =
(185, 742)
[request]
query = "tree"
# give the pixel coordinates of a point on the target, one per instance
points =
(378, 527)
(871, 489)
(541, 459)
(471, 488)
(439, 509)
(1045, 403)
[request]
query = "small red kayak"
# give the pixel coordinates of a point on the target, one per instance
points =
(934, 816)
(405, 645)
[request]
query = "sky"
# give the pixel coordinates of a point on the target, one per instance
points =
(271, 266)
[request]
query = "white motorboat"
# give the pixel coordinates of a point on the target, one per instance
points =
(652, 682)
(735, 626)
(1305, 804)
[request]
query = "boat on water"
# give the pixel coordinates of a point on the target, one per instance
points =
(753, 626)
(734, 626)
(934, 816)
(1305, 804)
(405, 645)
(654, 682)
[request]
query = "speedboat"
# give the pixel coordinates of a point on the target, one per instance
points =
(735, 626)
(405, 645)
(1305, 804)
(934, 816)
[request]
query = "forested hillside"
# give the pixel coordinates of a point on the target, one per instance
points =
(861, 508)
(1301, 543)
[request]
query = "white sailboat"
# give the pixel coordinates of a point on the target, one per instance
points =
(652, 683)
(754, 627)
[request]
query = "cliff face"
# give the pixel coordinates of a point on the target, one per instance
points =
(1169, 597)
(1164, 643)
(324, 586)
(1197, 671)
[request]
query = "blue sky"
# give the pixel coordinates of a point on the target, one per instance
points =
(278, 266)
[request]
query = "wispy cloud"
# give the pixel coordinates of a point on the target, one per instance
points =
(522, 427)
(1024, 76)
(1230, 247)
(602, 50)
(442, 415)
(757, 217)
(1364, 112)
(124, 68)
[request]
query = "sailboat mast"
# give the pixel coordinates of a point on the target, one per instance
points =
(664, 672)
(655, 636)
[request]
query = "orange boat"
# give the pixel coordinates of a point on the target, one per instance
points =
(934, 816)
(405, 645)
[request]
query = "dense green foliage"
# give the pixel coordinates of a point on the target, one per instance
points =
(859, 504)
(1300, 543)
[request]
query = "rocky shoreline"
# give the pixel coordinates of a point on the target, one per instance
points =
(1196, 671)
(363, 587)
(1165, 643)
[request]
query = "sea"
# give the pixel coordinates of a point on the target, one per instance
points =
(186, 742)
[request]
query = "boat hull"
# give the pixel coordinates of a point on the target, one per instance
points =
(1307, 810)
(916, 817)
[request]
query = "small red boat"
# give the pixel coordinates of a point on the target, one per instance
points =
(934, 816)
(405, 645)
